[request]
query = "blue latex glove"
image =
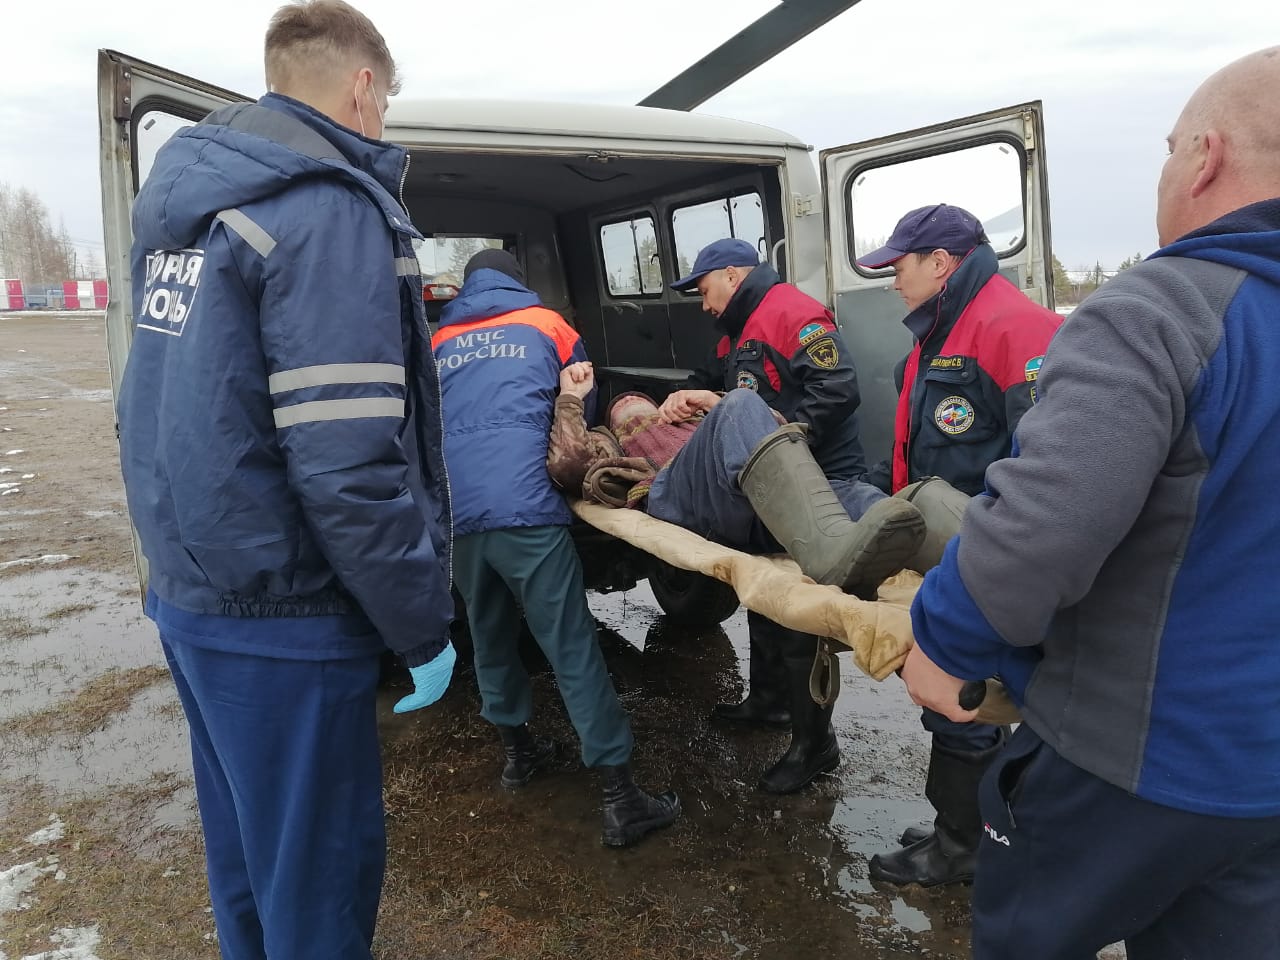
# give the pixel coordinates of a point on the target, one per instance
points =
(430, 680)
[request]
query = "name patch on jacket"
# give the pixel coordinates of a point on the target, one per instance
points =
(480, 345)
(173, 277)
(947, 363)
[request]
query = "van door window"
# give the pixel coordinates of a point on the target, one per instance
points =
(154, 127)
(629, 249)
(985, 179)
(740, 215)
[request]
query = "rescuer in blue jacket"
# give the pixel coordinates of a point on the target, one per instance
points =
(501, 357)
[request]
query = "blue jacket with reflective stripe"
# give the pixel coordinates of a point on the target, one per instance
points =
(279, 413)
(499, 353)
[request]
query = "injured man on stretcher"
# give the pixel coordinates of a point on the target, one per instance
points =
(743, 477)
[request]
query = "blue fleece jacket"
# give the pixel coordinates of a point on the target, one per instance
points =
(1118, 572)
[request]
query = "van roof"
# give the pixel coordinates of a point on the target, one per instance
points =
(592, 120)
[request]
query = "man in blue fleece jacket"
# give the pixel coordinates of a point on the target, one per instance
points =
(1118, 574)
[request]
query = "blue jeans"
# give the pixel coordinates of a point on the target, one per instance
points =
(699, 489)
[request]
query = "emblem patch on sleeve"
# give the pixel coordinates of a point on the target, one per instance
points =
(747, 381)
(811, 332)
(1033, 368)
(953, 415)
(824, 353)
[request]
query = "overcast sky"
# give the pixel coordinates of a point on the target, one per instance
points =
(1113, 75)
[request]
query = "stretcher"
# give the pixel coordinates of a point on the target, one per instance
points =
(877, 633)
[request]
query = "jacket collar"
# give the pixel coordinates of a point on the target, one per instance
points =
(746, 298)
(937, 315)
(384, 162)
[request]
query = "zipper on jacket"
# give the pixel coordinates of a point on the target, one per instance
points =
(404, 175)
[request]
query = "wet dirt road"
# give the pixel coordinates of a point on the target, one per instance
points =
(474, 870)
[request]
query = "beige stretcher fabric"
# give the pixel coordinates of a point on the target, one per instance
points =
(878, 634)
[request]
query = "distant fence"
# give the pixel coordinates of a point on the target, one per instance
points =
(69, 295)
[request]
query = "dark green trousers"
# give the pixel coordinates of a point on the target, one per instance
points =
(500, 572)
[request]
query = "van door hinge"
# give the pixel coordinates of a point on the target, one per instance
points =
(1029, 130)
(805, 206)
(123, 90)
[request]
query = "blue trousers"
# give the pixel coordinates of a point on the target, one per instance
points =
(699, 489)
(1070, 863)
(289, 783)
(500, 572)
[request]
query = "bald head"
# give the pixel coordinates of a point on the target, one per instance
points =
(1224, 151)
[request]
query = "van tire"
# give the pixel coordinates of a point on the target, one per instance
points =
(691, 599)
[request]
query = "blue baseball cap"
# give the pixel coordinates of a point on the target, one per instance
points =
(716, 256)
(937, 227)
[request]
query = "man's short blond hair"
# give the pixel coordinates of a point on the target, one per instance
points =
(308, 39)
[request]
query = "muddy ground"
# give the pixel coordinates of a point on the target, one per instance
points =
(100, 853)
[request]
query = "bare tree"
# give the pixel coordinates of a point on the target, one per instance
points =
(30, 248)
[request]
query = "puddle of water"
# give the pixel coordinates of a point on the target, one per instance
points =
(146, 738)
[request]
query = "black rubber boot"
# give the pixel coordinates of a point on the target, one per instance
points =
(629, 812)
(949, 853)
(768, 696)
(525, 755)
(915, 833)
(814, 750)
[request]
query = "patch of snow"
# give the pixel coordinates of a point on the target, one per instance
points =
(13, 453)
(6, 469)
(10, 486)
(47, 559)
(28, 476)
(170, 872)
(54, 831)
(77, 943)
(14, 489)
(17, 881)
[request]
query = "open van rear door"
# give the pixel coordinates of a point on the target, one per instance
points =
(139, 107)
(993, 165)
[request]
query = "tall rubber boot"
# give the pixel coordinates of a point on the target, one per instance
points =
(949, 854)
(525, 756)
(942, 507)
(814, 750)
(630, 813)
(793, 499)
(768, 697)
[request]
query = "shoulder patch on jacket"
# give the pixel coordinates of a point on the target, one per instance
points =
(824, 353)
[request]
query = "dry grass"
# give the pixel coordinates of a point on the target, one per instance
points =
(144, 887)
(69, 610)
(91, 707)
(14, 626)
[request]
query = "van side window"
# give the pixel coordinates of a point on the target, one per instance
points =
(632, 267)
(740, 215)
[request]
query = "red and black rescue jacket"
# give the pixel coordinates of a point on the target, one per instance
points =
(784, 345)
(970, 378)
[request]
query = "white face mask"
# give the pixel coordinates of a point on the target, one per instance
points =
(382, 117)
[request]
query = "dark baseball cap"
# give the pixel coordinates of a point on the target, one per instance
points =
(937, 227)
(716, 256)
